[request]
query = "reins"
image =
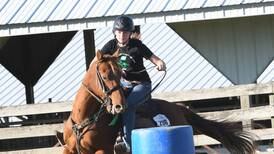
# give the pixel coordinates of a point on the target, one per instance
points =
(91, 93)
(156, 86)
(160, 81)
(145, 69)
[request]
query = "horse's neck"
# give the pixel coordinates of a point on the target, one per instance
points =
(90, 78)
(84, 103)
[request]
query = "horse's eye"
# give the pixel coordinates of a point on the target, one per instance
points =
(109, 76)
(105, 78)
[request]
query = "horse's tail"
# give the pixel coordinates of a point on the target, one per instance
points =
(230, 134)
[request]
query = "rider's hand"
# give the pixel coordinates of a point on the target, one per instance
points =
(161, 66)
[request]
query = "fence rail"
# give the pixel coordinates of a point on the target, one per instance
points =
(245, 114)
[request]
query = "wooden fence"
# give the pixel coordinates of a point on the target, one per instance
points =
(245, 114)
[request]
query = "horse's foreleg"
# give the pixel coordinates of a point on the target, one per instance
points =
(67, 129)
(68, 138)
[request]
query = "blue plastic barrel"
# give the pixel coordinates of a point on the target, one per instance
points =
(163, 140)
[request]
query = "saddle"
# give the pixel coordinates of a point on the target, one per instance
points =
(148, 114)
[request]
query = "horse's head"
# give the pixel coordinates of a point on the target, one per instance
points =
(108, 75)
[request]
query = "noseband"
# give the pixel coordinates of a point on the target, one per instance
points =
(105, 101)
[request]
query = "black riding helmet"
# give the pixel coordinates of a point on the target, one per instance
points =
(123, 23)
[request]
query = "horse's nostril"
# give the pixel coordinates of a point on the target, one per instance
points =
(118, 108)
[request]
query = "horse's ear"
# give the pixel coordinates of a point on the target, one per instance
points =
(99, 55)
(116, 53)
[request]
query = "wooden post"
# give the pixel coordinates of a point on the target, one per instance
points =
(89, 43)
(271, 99)
(271, 103)
(245, 104)
(28, 72)
(272, 126)
(29, 93)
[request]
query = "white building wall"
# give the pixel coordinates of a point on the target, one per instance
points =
(63, 77)
(267, 75)
(12, 91)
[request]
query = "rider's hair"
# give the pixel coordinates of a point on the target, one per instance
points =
(136, 34)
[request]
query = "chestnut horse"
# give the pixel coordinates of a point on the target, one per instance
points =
(90, 128)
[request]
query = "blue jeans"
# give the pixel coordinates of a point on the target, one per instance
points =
(138, 96)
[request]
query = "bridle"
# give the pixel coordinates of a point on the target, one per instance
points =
(104, 102)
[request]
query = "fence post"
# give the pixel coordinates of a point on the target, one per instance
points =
(245, 104)
(271, 103)
(271, 99)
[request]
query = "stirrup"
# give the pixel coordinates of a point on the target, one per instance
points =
(122, 145)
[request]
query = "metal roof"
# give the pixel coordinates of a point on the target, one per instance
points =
(20, 17)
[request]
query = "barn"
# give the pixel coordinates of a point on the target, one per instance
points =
(216, 51)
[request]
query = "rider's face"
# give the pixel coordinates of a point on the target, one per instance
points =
(122, 36)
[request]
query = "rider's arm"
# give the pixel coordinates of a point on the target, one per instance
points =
(161, 66)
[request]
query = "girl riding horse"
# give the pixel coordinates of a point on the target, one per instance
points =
(90, 129)
(131, 51)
